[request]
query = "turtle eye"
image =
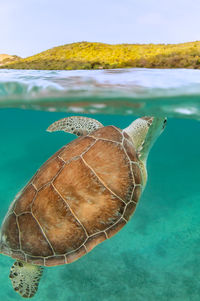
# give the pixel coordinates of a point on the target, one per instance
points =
(164, 123)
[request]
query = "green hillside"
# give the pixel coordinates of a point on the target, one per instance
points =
(6, 58)
(85, 55)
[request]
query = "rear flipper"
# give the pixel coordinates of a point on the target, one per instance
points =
(25, 278)
(76, 125)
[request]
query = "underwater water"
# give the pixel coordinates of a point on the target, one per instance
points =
(156, 255)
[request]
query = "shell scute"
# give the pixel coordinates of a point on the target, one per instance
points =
(94, 206)
(35, 260)
(76, 148)
(111, 165)
(54, 260)
(130, 150)
(126, 136)
(115, 228)
(10, 233)
(110, 132)
(130, 208)
(18, 255)
(48, 171)
(32, 239)
(25, 200)
(94, 240)
(137, 173)
(76, 254)
(58, 223)
(136, 194)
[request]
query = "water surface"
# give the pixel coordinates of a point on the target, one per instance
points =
(171, 92)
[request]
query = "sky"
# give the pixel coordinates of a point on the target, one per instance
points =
(28, 27)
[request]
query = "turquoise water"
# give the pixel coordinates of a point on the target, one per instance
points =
(156, 255)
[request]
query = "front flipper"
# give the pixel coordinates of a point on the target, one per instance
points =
(76, 125)
(25, 278)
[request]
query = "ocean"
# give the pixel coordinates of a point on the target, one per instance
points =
(155, 257)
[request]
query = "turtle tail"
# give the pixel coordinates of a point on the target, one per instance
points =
(25, 278)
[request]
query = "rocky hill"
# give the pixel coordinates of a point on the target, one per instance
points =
(86, 55)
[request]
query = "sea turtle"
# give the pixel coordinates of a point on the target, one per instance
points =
(84, 194)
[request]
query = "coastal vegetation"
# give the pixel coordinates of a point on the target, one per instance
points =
(6, 58)
(86, 55)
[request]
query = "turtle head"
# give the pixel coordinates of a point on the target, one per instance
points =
(144, 131)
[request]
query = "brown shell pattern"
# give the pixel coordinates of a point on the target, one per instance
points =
(84, 194)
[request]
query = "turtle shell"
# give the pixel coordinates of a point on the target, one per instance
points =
(84, 194)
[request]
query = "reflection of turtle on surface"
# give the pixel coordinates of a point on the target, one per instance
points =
(83, 195)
